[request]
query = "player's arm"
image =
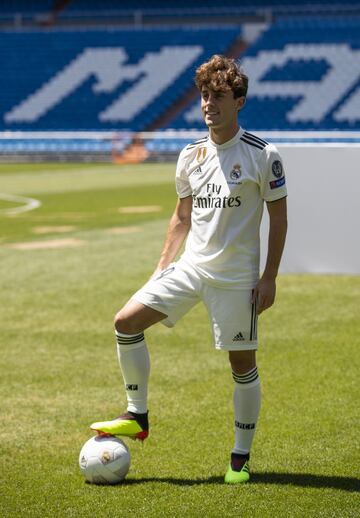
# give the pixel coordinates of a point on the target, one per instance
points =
(177, 231)
(266, 287)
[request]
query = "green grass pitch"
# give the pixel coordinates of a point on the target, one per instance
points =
(58, 367)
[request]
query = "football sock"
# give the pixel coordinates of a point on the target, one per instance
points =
(135, 367)
(247, 400)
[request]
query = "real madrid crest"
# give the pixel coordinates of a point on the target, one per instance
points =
(105, 457)
(236, 172)
(201, 154)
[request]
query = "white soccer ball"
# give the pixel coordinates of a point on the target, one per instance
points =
(104, 460)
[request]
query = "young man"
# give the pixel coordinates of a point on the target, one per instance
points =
(222, 181)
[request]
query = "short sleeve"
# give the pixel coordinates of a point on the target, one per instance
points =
(183, 187)
(272, 174)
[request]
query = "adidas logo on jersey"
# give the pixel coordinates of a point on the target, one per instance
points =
(198, 170)
(238, 337)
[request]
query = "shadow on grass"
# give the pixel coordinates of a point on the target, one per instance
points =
(294, 479)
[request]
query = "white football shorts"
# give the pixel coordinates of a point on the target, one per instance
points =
(179, 287)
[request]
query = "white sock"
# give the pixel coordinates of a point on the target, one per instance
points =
(247, 401)
(135, 367)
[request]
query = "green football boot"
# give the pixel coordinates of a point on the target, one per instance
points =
(238, 471)
(134, 426)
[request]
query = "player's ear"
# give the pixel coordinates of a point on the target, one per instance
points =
(240, 102)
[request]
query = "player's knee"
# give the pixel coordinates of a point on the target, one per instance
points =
(125, 323)
(242, 361)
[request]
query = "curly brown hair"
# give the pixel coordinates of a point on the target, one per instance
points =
(222, 74)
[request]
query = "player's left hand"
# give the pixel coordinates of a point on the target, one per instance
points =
(264, 294)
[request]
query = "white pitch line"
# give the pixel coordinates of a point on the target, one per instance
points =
(27, 203)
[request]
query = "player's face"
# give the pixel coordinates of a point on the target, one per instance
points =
(220, 109)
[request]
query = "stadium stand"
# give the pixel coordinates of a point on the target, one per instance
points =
(304, 71)
(304, 75)
(88, 80)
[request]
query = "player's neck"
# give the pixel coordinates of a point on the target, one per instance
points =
(222, 135)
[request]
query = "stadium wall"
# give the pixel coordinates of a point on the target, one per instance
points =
(324, 189)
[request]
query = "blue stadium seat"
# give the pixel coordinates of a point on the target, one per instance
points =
(53, 80)
(51, 64)
(302, 55)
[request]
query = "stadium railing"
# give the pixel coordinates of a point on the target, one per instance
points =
(130, 147)
(151, 16)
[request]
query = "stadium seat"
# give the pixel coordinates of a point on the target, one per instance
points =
(74, 80)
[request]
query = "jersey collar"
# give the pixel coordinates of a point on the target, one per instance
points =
(228, 143)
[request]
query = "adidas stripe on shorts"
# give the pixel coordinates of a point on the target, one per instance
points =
(179, 287)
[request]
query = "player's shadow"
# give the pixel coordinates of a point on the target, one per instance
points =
(350, 484)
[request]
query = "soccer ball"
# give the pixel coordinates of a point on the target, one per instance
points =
(104, 460)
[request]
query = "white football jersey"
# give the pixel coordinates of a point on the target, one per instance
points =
(228, 184)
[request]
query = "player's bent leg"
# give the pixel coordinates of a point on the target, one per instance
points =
(246, 401)
(168, 297)
(134, 361)
(135, 317)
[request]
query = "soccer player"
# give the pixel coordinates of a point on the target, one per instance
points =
(222, 181)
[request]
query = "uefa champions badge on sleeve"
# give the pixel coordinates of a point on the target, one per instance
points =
(277, 169)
